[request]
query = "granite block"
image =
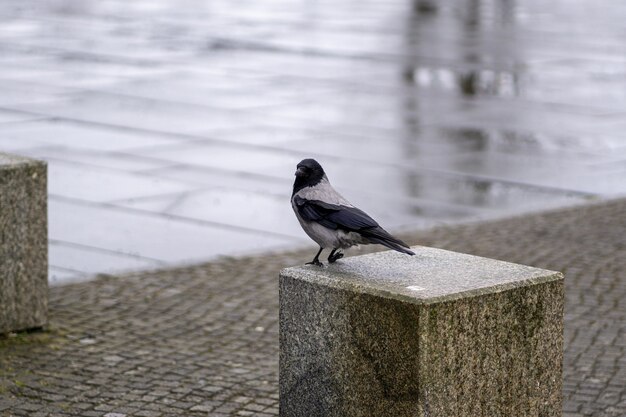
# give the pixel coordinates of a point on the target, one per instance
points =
(437, 334)
(23, 244)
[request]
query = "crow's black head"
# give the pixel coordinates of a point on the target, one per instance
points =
(308, 174)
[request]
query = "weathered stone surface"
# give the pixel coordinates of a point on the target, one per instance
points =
(437, 334)
(23, 244)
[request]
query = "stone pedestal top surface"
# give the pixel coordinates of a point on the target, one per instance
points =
(8, 160)
(432, 275)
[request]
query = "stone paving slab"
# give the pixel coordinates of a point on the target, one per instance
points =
(203, 340)
(458, 110)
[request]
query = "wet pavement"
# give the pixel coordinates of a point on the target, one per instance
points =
(172, 128)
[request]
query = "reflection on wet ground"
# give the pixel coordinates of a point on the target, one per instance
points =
(172, 128)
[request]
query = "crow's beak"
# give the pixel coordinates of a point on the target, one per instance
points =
(300, 172)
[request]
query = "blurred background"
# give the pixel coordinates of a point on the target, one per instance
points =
(172, 128)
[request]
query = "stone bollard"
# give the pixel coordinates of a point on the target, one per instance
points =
(438, 334)
(23, 244)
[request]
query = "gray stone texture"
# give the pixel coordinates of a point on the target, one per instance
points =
(437, 334)
(23, 244)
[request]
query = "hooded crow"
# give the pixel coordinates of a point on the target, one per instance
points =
(330, 220)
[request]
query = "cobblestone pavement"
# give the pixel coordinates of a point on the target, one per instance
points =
(185, 118)
(202, 340)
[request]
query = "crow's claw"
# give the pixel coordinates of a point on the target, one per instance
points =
(335, 257)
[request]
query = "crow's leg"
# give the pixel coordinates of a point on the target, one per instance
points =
(333, 257)
(316, 260)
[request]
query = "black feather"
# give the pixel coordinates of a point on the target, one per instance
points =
(311, 175)
(350, 219)
(402, 247)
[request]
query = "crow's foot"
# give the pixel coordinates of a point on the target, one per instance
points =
(316, 260)
(334, 257)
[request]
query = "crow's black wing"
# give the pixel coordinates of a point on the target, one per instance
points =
(334, 216)
(350, 219)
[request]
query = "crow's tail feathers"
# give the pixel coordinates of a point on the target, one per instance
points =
(382, 237)
(391, 245)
